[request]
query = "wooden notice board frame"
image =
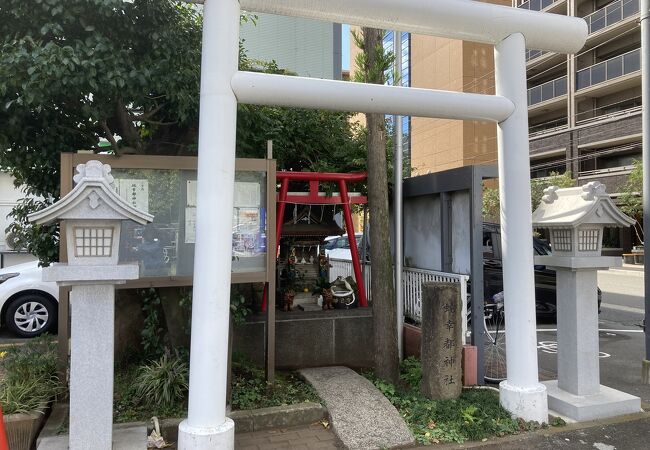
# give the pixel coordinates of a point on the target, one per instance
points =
(68, 163)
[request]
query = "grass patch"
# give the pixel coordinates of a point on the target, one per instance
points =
(474, 416)
(251, 391)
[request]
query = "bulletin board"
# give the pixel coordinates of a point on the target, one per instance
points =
(165, 186)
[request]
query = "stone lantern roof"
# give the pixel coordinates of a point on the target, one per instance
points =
(572, 207)
(93, 198)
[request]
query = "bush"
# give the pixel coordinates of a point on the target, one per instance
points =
(250, 389)
(35, 358)
(163, 382)
(475, 415)
(30, 380)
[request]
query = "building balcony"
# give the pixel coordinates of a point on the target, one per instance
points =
(611, 14)
(538, 61)
(547, 97)
(610, 75)
(544, 5)
(547, 91)
(547, 126)
(612, 21)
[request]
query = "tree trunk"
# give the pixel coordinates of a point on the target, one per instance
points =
(382, 284)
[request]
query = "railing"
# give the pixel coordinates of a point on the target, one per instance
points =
(536, 5)
(547, 91)
(621, 170)
(532, 54)
(548, 127)
(611, 14)
(607, 70)
(412, 280)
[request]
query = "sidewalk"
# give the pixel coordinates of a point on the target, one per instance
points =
(629, 269)
(618, 433)
(304, 437)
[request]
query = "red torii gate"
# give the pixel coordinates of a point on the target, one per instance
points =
(314, 197)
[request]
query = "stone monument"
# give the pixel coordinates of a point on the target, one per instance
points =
(441, 341)
(93, 213)
(576, 218)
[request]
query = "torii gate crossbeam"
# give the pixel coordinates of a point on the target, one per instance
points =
(511, 30)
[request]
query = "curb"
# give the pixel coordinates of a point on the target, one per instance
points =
(245, 420)
(278, 417)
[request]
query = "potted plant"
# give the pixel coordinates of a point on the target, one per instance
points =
(29, 383)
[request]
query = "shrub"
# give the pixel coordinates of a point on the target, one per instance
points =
(30, 380)
(475, 415)
(250, 389)
(163, 382)
(29, 394)
(34, 359)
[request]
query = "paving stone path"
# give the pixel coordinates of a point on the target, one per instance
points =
(362, 418)
(305, 437)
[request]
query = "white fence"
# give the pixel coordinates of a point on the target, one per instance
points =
(412, 280)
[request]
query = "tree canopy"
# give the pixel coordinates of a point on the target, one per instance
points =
(74, 73)
(631, 198)
(491, 203)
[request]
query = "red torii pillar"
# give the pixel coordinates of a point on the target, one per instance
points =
(314, 198)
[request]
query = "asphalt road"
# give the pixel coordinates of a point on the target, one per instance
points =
(622, 341)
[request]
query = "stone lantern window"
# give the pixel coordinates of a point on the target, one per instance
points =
(93, 241)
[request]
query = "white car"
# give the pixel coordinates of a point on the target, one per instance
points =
(338, 247)
(28, 305)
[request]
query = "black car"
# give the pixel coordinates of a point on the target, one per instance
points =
(545, 282)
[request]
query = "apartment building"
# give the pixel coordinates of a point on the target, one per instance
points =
(585, 109)
(309, 48)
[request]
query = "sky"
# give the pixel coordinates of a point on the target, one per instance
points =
(345, 43)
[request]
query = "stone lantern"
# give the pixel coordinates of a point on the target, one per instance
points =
(575, 218)
(93, 213)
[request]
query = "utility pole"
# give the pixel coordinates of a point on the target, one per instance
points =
(397, 202)
(645, 143)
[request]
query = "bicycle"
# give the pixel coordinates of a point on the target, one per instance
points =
(494, 340)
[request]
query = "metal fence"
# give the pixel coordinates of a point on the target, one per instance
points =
(412, 280)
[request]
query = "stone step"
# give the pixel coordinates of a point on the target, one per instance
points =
(361, 417)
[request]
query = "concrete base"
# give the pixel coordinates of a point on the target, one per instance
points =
(645, 372)
(607, 403)
(527, 403)
(124, 438)
(218, 438)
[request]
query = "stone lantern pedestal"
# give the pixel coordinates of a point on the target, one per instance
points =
(576, 218)
(93, 214)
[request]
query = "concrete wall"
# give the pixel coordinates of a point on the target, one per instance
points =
(9, 196)
(422, 232)
(460, 233)
(311, 339)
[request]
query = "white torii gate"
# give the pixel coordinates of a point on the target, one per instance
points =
(511, 30)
